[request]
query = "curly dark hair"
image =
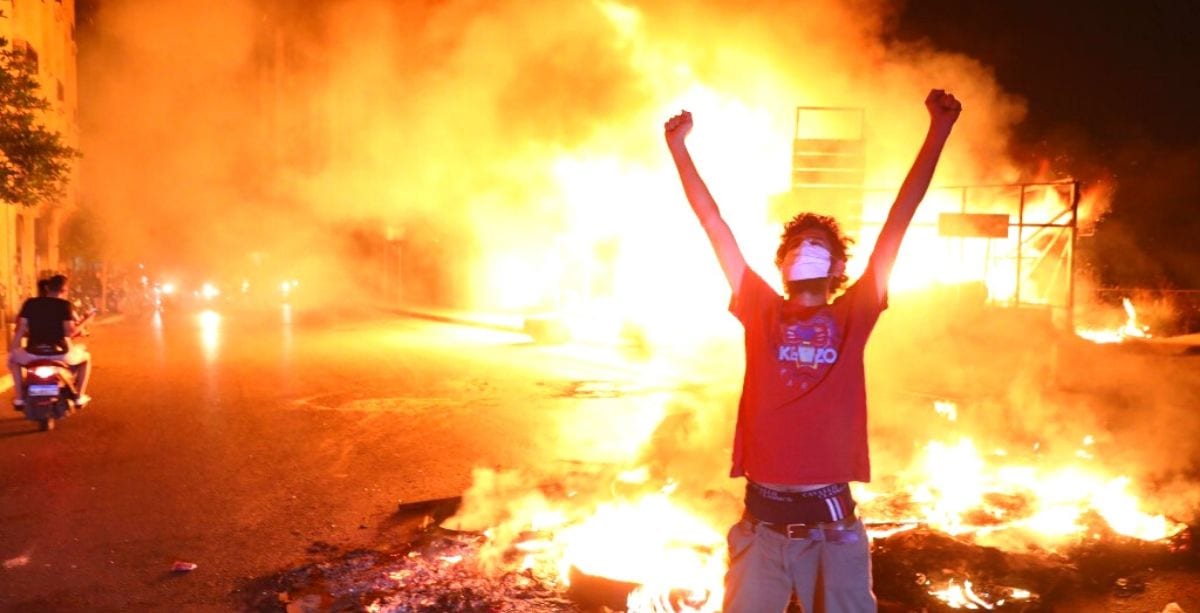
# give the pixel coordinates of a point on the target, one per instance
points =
(838, 242)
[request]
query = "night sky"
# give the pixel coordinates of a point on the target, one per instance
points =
(1113, 93)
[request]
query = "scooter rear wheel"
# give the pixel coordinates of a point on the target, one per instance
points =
(46, 424)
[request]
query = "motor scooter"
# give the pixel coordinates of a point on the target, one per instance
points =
(48, 383)
(48, 388)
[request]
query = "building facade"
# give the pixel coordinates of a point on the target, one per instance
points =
(29, 236)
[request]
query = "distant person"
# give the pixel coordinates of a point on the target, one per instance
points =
(801, 433)
(45, 327)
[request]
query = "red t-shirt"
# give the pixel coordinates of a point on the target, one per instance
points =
(803, 413)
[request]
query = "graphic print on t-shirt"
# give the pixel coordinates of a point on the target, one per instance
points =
(807, 350)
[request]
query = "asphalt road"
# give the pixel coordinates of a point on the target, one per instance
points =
(254, 442)
(237, 441)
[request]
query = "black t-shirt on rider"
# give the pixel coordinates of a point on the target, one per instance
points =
(46, 317)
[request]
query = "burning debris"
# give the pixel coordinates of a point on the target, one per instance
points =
(438, 572)
(435, 570)
(918, 569)
(541, 567)
(1131, 329)
(934, 570)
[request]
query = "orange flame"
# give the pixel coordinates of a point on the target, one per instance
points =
(963, 596)
(1130, 329)
(676, 555)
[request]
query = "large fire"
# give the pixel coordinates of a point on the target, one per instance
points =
(632, 529)
(626, 254)
(670, 549)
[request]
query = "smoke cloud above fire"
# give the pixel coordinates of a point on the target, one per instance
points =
(508, 155)
(474, 129)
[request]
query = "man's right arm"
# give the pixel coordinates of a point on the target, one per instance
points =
(733, 263)
(22, 328)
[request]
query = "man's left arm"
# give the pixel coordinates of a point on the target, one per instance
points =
(943, 112)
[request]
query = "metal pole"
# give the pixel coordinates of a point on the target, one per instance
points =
(1020, 243)
(962, 247)
(1071, 257)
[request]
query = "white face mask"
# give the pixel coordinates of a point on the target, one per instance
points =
(811, 260)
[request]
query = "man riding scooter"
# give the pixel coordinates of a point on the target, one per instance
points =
(47, 324)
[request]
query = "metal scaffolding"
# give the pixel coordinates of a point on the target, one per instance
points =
(1028, 228)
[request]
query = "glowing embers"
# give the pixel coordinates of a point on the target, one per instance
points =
(1130, 329)
(613, 539)
(962, 594)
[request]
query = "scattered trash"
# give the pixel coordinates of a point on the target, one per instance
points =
(1126, 587)
(1173, 608)
(16, 562)
(321, 547)
(182, 567)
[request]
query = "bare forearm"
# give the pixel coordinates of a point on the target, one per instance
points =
(943, 109)
(729, 254)
(694, 188)
(911, 193)
(916, 184)
(18, 334)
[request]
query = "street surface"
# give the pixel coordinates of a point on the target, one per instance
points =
(253, 442)
(237, 441)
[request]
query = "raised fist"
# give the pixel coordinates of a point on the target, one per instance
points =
(677, 128)
(943, 108)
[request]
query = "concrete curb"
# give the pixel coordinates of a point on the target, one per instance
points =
(502, 323)
(540, 328)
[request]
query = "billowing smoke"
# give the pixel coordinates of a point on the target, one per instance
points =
(470, 133)
(509, 155)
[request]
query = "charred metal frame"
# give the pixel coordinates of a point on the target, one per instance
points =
(1064, 220)
(828, 173)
